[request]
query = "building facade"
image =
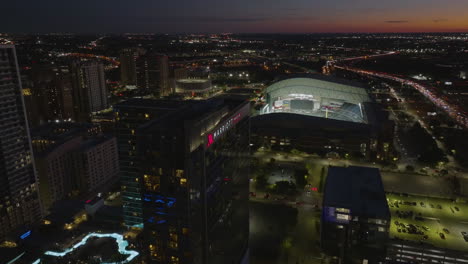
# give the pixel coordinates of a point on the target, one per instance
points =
(129, 116)
(52, 94)
(53, 166)
(89, 89)
(73, 159)
(128, 59)
(20, 205)
(194, 181)
(194, 87)
(95, 163)
(355, 218)
(152, 73)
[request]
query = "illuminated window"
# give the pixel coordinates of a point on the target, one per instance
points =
(27, 92)
(185, 231)
(343, 217)
(133, 132)
(179, 173)
(174, 260)
(173, 244)
(154, 251)
(183, 182)
(343, 210)
(152, 182)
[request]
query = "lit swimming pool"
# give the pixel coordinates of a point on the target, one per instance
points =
(121, 242)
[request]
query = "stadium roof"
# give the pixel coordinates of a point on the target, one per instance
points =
(359, 189)
(319, 87)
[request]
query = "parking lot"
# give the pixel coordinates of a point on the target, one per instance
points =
(436, 221)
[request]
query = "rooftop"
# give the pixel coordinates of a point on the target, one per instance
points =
(359, 189)
(193, 80)
(320, 86)
(152, 104)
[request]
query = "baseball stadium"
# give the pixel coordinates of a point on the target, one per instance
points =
(320, 97)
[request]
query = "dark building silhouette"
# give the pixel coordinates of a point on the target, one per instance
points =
(20, 206)
(129, 116)
(152, 73)
(355, 215)
(89, 89)
(128, 59)
(51, 91)
(191, 169)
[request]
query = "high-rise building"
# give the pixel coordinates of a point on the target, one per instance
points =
(20, 206)
(53, 164)
(128, 58)
(355, 216)
(89, 89)
(72, 159)
(52, 93)
(32, 112)
(194, 183)
(153, 74)
(129, 116)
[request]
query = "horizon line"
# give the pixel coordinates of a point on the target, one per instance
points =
(235, 33)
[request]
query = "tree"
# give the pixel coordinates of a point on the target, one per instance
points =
(301, 181)
(295, 152)
(284, 187)
(261, 182)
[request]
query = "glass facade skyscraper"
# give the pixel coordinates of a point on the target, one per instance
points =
(185, 177)
(20, 206)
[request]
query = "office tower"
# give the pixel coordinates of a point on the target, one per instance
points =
(30, 101)
(355, 217)
(153, 74)
(194, 182)
(129, 116)
(52, 93)
(128, 58)
(89, 89)
(20, 206)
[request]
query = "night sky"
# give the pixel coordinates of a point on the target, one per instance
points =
(238, 16)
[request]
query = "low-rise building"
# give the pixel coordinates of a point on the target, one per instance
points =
(355, 215)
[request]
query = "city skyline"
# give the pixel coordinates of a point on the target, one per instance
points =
(237, 132)
(297, 16)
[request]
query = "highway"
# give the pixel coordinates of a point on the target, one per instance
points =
(441, 101)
